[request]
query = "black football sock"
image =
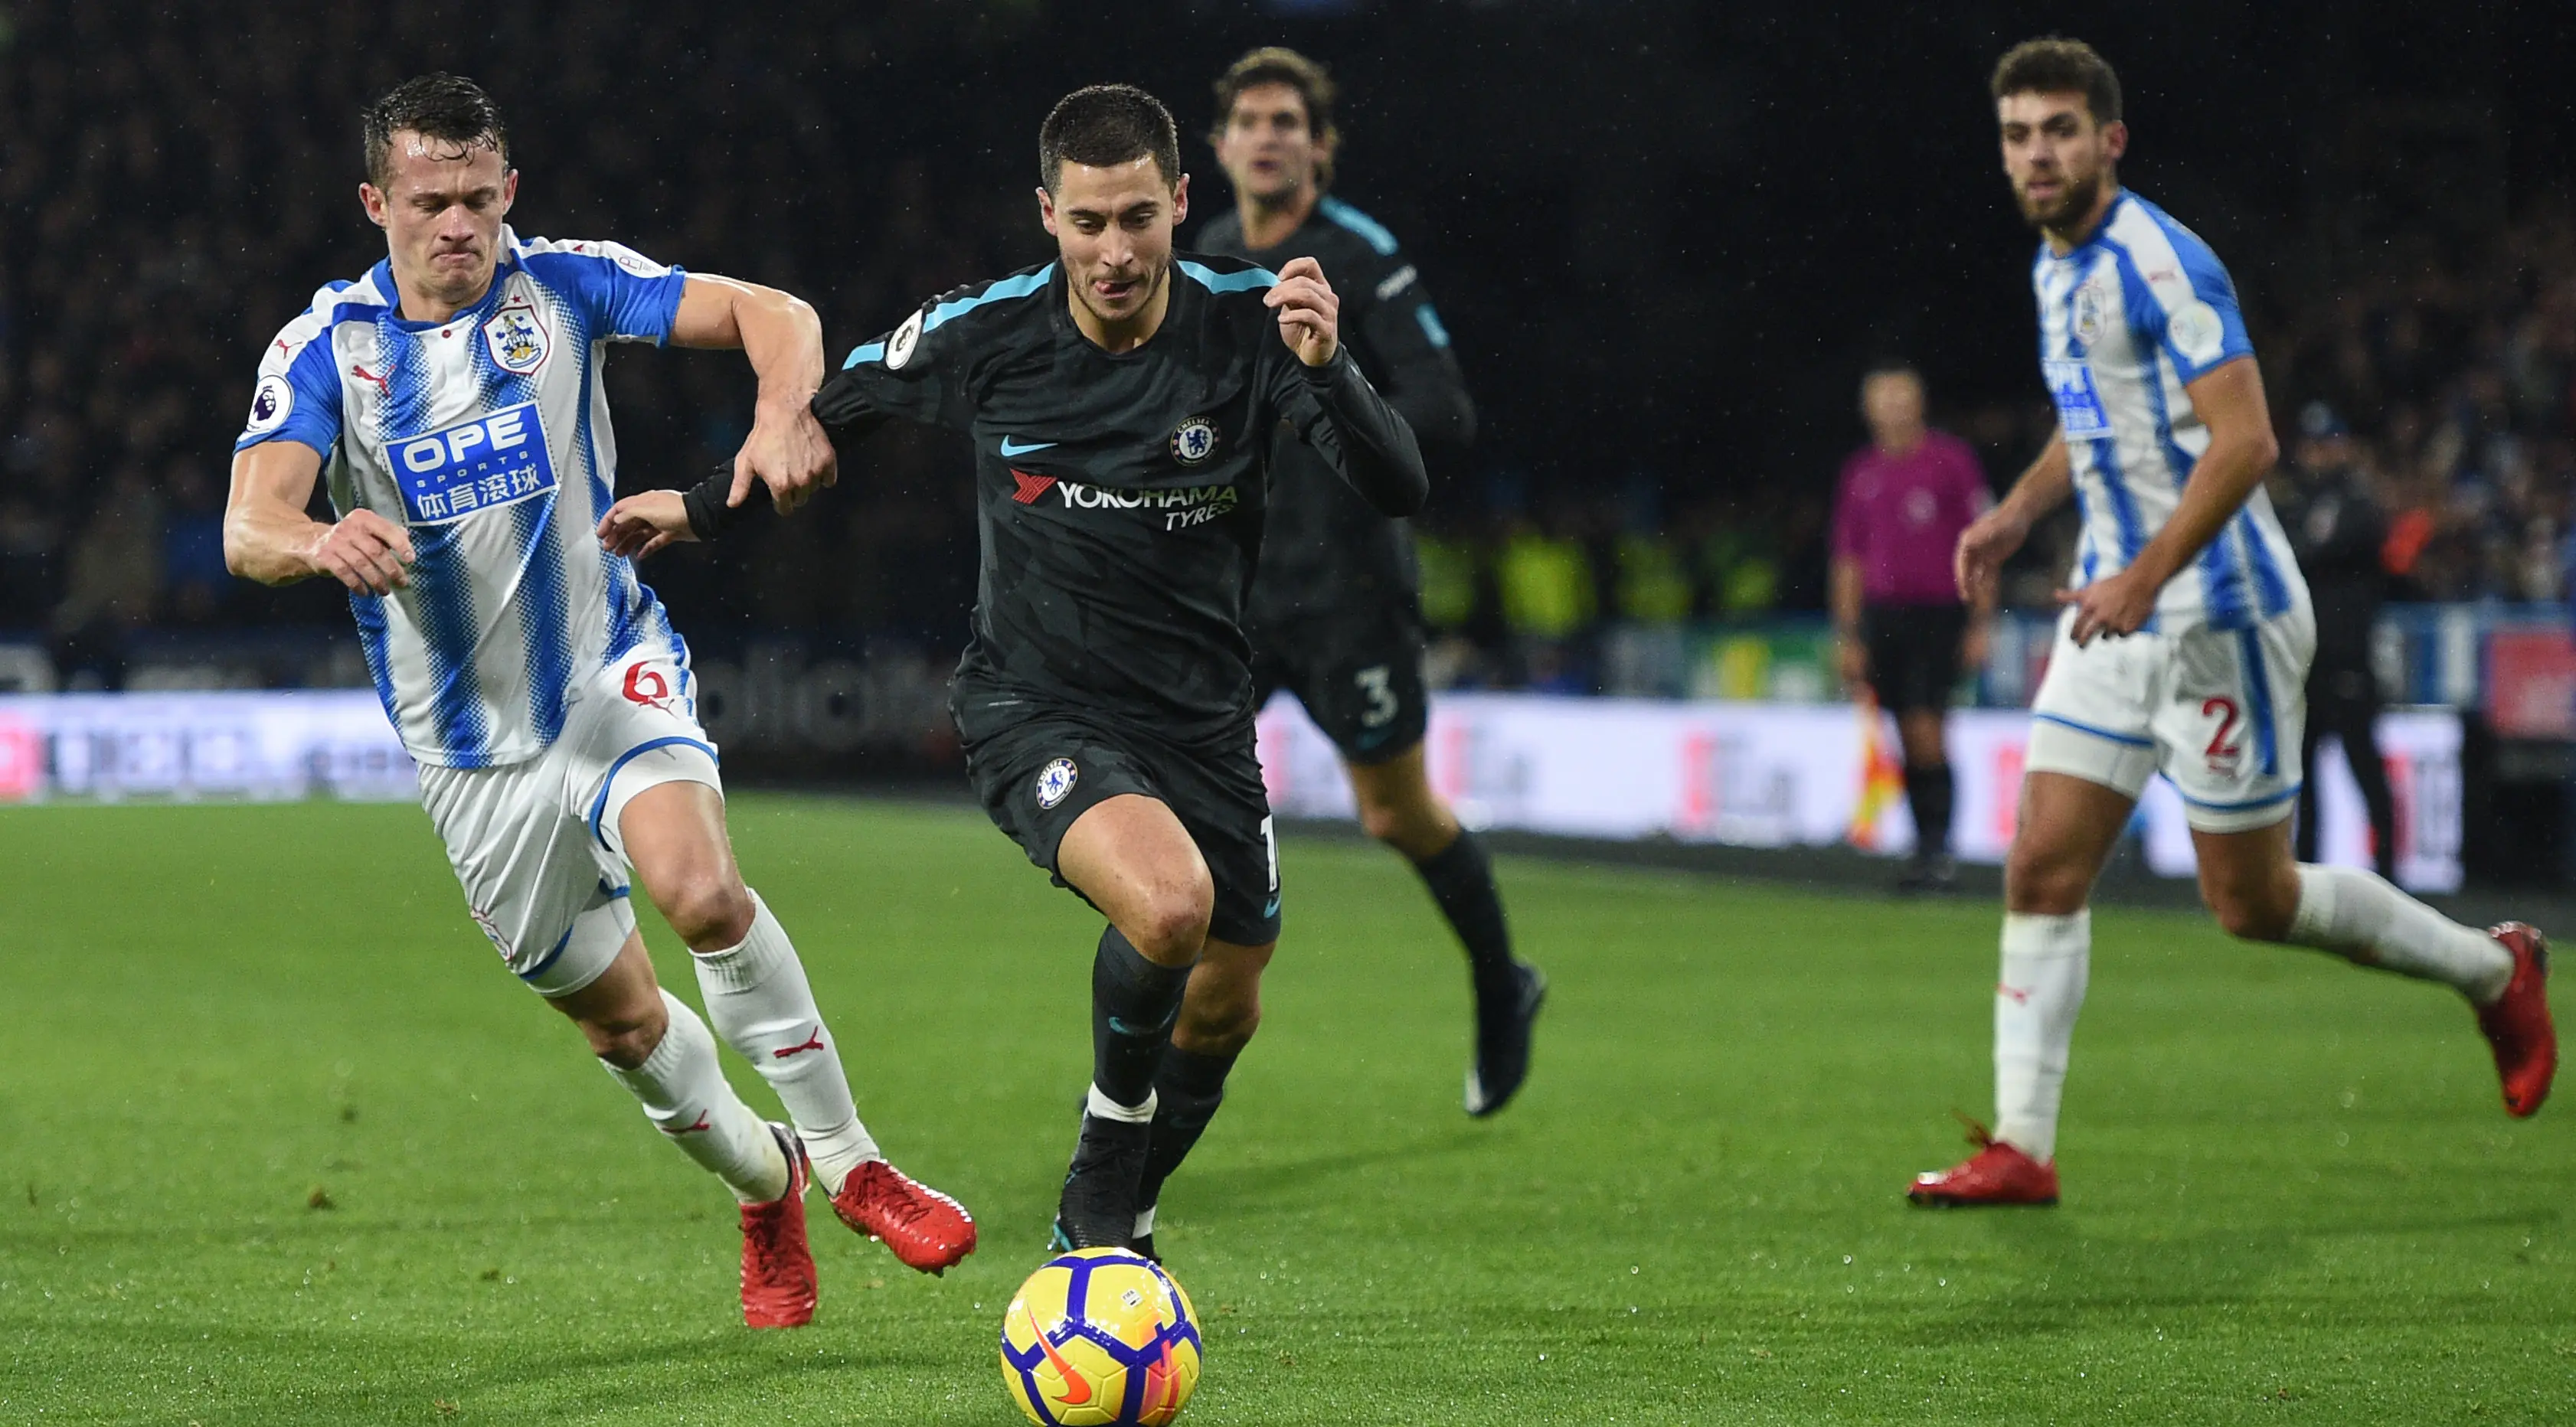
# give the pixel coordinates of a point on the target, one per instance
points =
(1462, 882)
(1187, 1091)
(1929, 794)
(1133, 1001)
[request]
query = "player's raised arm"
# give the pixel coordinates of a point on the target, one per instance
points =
(1343, 417)
(269, 538)
(2242, 451)
(778, 332)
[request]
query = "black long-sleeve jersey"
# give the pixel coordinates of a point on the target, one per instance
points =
(1120, 496)
(1327, 551)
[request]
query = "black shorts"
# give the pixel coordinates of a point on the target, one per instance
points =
(1914, 653)
(1035, 770)
(1358, 674)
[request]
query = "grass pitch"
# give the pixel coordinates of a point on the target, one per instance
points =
(281, 1144)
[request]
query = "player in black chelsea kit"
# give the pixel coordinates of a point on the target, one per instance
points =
(1122, 401)
(1335, 616)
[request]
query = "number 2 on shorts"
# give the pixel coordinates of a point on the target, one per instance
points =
(2223, 747)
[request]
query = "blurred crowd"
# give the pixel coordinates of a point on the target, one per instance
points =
(174, 194)
(2457, 383)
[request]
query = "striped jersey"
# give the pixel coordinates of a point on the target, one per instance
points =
(487, 436)
(2126, 319)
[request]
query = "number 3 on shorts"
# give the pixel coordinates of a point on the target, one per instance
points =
(1374, 682)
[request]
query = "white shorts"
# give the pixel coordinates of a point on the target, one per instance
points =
(2218, 711)
(536, 844)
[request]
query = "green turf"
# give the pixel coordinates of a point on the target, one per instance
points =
(281, 1144)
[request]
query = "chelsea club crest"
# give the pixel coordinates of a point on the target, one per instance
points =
(1193, 441)
(517, 340)
(1055, 781)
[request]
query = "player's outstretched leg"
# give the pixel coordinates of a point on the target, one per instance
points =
(1217, 1021)
(2261, 893)
(1398, 807)
(2504, 972)
(1130, 855)
(761, 1003)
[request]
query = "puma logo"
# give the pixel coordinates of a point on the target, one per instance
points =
(383, 385)
(701, 1125)
(2020, 998)
(815, 1042)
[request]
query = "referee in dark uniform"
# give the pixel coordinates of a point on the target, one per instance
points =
(1335, 614)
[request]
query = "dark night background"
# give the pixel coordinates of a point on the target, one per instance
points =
(1667, 237)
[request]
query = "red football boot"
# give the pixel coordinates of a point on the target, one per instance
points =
(925, 1228)
(777, 1266)
(2517, 1023)
(1996, 1175)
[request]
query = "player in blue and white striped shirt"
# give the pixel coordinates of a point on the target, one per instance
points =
(2186, 639)
(451, 400)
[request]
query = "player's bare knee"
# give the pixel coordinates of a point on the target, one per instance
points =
(1384, 820)
(627, 1039)
(1172, 925)
(2252, 911)
(2044, 886)
(708, 910)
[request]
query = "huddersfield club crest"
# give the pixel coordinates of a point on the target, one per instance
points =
(517, 339)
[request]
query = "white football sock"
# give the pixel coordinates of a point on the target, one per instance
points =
(684, 1094)
(2357, 914)
(762, 1005)
(2045, 963)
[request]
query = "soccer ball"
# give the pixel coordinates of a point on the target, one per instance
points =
(1100, 1338)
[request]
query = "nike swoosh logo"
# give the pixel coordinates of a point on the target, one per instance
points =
(1077, 1389)
(1011, 448)
(1272, 910)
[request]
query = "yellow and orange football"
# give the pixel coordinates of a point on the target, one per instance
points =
(1100, 1338)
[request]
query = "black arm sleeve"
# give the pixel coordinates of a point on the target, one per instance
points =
(1344, 419)
(709, 516)
(914, 373)
(1419, 371)
(1434, 402)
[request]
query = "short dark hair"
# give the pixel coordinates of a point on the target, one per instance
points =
(2057, 65)
(1104, 125)
(447, 107)
(1277, 64)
